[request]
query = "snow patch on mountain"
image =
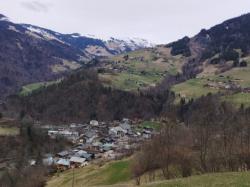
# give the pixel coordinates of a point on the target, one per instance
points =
(128, 43)
(75, 35)
(44, 33)
(3, 18)
(125, 42)
(116, 45)
(12, 28)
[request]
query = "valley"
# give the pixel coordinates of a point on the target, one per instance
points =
(77, 110)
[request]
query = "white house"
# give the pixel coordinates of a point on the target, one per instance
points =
(94, 123)
(117, 131)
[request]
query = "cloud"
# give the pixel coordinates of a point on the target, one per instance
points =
(35, 6)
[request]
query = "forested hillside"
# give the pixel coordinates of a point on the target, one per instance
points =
(82, 96)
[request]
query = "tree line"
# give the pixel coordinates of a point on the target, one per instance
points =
(82, 96)
(17, 152)
(197, 137)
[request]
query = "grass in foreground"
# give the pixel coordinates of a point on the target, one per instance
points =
(234, 179)
(117, 174)
(93, 175)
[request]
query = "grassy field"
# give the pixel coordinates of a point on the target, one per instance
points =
(241, 75)
(130, 82)
(209, 180)
(143, 68)
(27, 89)
(150, 124)
(31, 87)
(116, 174)
(193, 88)
(93, 175)
(238, 99)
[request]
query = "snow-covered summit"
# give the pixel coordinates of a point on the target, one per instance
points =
(3, 18)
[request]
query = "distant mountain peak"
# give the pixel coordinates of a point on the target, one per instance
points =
(3, 18)
(38, 54)
(131, 43)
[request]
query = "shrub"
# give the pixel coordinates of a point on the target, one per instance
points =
(243, 63)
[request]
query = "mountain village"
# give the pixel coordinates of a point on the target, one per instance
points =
(95, 142)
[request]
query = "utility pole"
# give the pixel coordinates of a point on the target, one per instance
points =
(73, 177)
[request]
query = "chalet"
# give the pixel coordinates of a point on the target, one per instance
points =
(94, 123)
(63, 164)
(107, 140)
(126, 120)
(73, 125)
(109, 155)
(97, 145)
(81, 153)
(117, 131)
(77, 161)
(88, 156)
(63, 154)
(108, 147)
(125, 126)
(71, 135)
(123, 140)
(90, 136)
(146, 134)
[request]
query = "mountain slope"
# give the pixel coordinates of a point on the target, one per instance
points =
(92, 46)
(216, 60)
(221, 58)
(25, 57)
(228, 41)
(32, 54)
(183, 64)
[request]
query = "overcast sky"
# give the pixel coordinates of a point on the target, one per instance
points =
(159, 21)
